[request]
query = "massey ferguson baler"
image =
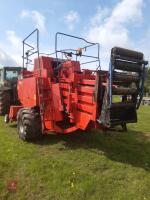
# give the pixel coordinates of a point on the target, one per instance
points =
(58, 96)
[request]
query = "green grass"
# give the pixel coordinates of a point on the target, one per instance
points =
(81, 166)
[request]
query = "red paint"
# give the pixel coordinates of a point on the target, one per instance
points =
(13, 112)
(70, 96)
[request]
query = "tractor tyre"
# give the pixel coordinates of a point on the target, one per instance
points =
(29, 124)
(5, 101)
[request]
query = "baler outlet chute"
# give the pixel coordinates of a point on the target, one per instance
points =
(125, 86)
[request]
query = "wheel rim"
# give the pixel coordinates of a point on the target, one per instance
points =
(21, 128)
(6, 119)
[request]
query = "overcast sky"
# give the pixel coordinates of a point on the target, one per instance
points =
(123, 23)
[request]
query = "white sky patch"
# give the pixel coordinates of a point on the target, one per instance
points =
(13, 38)
(24, 13)
(6, 59)
(102, 13)
(71, 19)
(37, 18)
(144, 45)
(110, 28)
(12, 50)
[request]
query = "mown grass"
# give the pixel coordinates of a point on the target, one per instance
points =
(87, 166)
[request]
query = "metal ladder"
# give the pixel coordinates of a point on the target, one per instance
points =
(126, 81)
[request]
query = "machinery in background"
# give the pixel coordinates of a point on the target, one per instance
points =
(57, 95)
(8, 88)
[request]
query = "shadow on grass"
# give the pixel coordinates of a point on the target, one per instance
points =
(131, 148)
(13, 125)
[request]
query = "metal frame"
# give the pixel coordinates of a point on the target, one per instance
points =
(141, 89)
(32, 50)
(111, 68)
(90, 44)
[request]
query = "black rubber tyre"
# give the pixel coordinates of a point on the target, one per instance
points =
(5, 101)
(29, 124)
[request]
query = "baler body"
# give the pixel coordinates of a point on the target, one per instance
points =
(71, 100)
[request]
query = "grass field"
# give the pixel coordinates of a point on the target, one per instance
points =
(81, 166)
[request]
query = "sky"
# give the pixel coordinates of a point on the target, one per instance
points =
(124, 23)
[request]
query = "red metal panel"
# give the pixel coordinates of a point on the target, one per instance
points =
(85, 98)
(13, 112)
(65, 101)
(82, 119)
(45, 66)
(70, 130)
(86, 89)
(49, 125)
(27, 92)
(65, 93)
(64, 85)
(85, 108)
(56, 103)
(87, 82)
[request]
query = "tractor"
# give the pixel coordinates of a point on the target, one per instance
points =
(58, 96)
(8, 90)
